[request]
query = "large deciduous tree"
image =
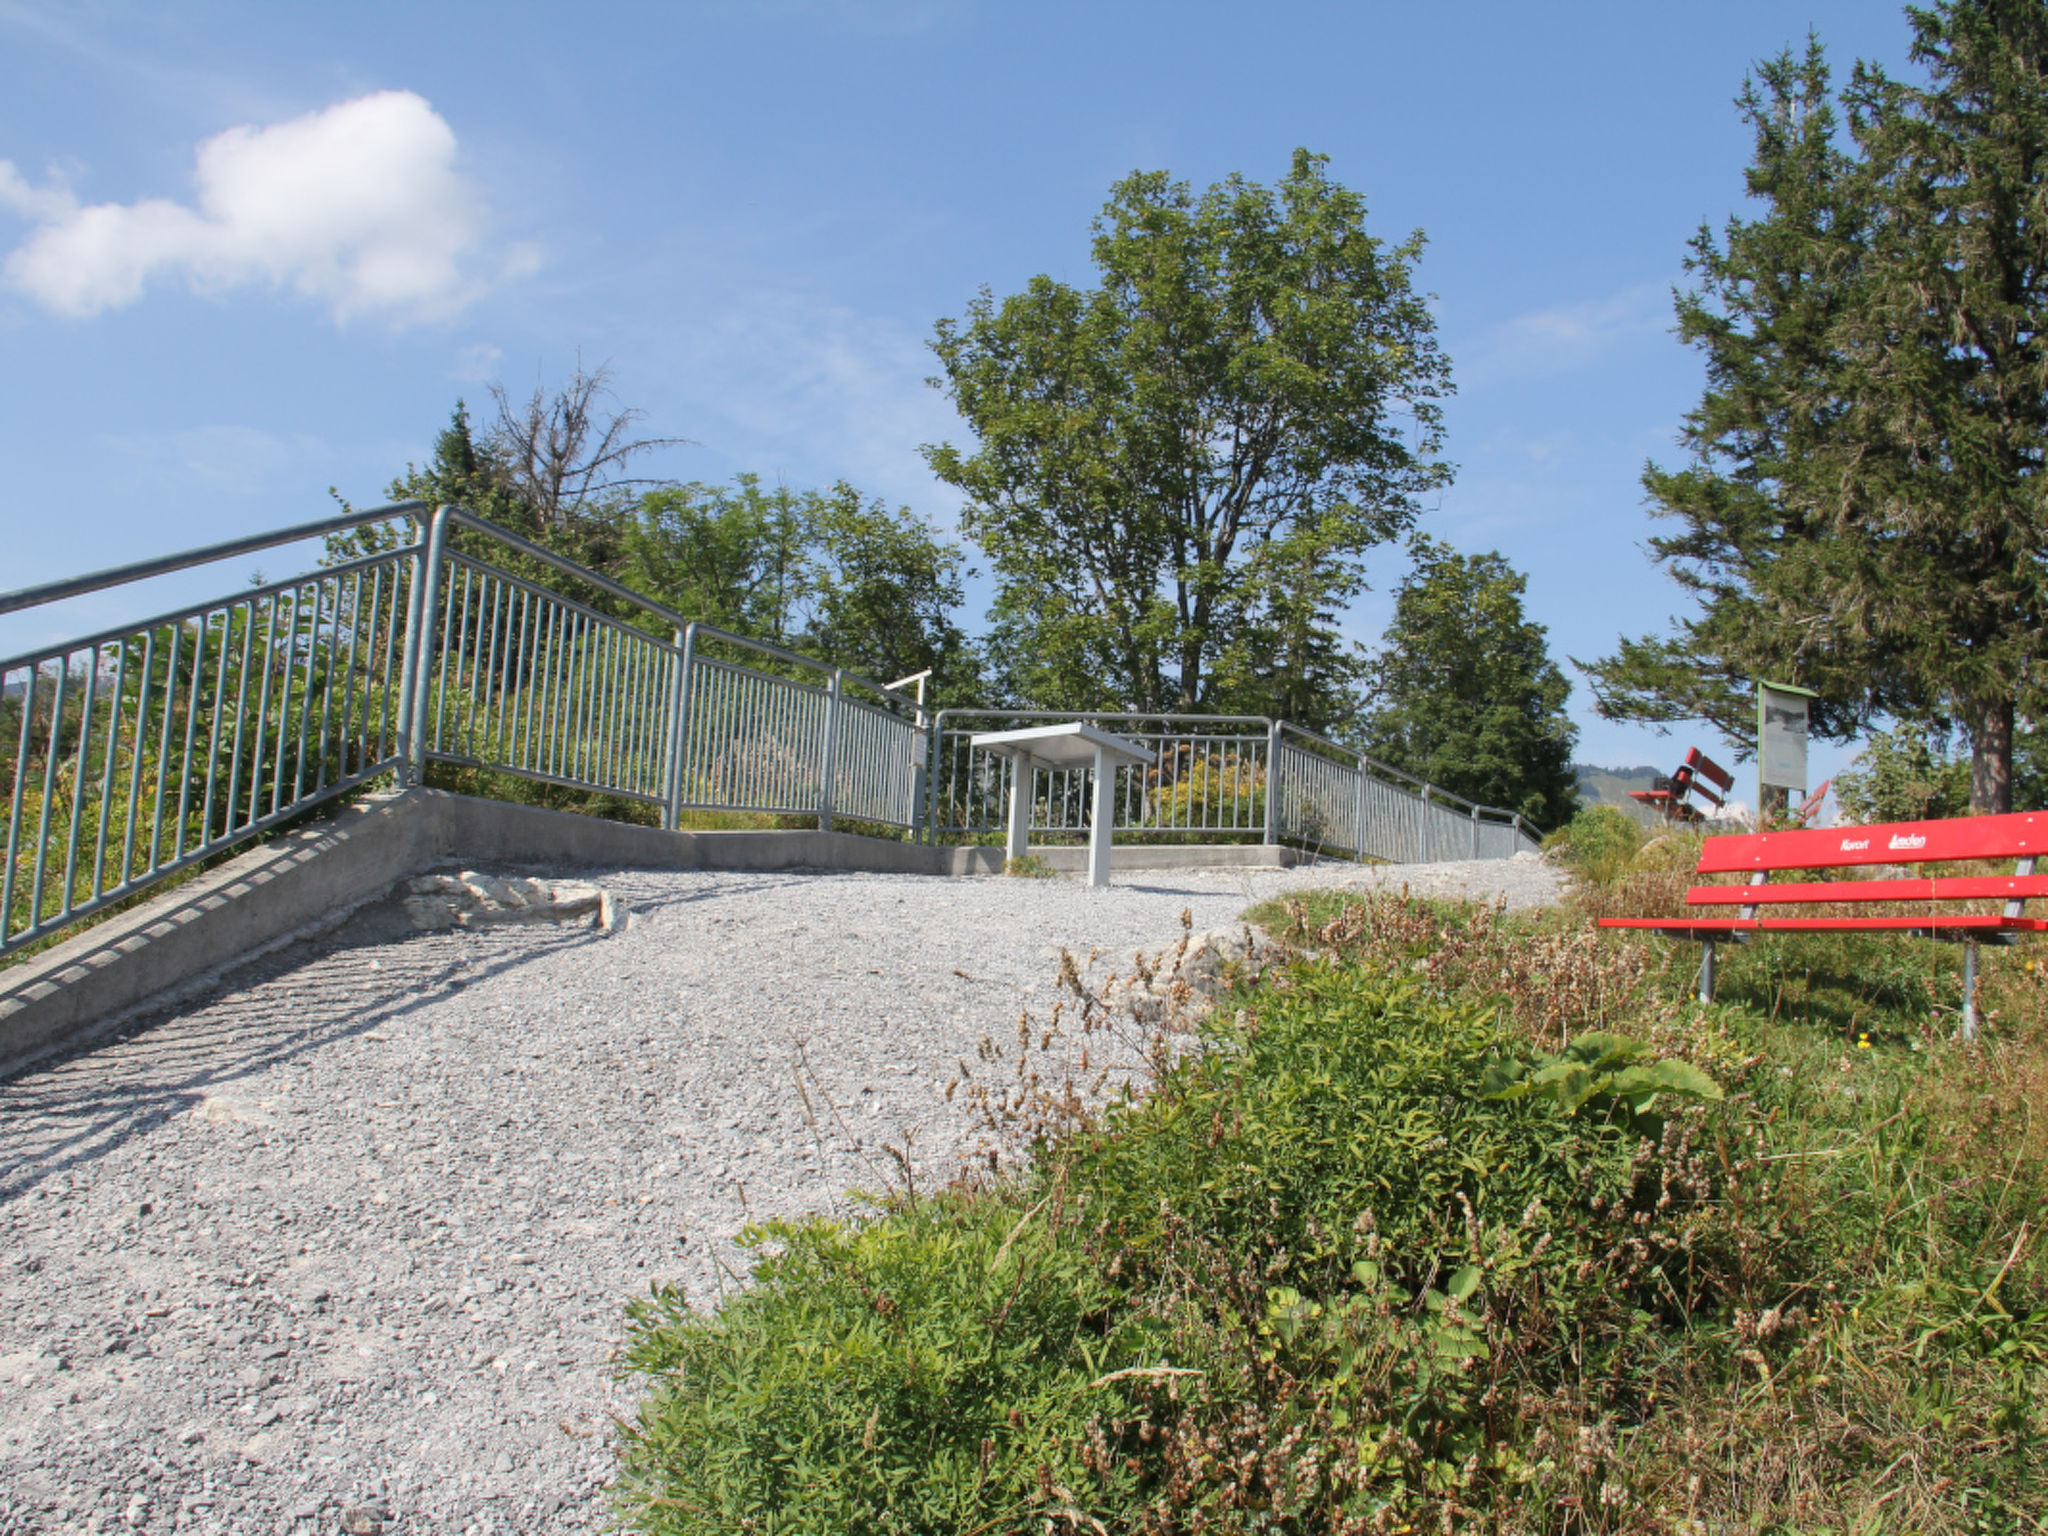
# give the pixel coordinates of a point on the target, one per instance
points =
(1179, 471)
(1464, 694)
(1864, 511)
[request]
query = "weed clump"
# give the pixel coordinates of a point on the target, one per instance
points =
(1451, 1221)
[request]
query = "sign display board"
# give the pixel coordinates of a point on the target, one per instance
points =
(1781, 717)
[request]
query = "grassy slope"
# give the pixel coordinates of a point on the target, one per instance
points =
(1317, 1280)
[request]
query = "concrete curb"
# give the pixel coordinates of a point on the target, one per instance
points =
(92, 984)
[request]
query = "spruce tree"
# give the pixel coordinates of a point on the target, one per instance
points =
(1464, 694)
(1863, 513)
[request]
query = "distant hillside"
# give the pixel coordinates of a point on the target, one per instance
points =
(1610, 786)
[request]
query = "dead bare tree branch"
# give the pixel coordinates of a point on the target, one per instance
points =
(565, 450)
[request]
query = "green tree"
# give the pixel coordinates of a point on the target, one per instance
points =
(1179, 471)
(885, 589)
(829, 574)
(1863, 513)
(737, 557)
(1464, 694)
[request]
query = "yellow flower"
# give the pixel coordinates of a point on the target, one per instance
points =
(1863, 1041)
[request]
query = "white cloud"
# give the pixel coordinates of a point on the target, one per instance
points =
(477, 363)
(359, 206)
(1570, 335)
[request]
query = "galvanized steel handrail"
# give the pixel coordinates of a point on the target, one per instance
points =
(1271, 785)
(228, 549)
(144, 749)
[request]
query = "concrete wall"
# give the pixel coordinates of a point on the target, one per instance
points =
(181, 941)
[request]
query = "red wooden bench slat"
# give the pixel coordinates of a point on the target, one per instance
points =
(2022, 834)
(1946, 888)
(1960, 922)
(1698, 760)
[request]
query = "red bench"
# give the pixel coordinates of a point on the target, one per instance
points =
(1759, 856)
(1671, 797)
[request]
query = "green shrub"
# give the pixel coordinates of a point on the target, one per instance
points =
(1598, 845)
(1904, 775)
(933, 1369)
(1446, 1229)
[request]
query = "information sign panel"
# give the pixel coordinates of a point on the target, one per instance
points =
(1781, 720)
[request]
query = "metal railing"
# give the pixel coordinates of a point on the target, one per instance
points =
(140, 751)
(1210, 782)
(133, 754)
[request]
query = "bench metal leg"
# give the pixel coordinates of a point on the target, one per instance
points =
(1707, 971)
(1969, 989)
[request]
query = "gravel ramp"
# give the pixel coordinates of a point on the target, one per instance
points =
(344, 1245)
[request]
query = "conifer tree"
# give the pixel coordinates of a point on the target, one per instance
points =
(1464, 694)
(1864, 511)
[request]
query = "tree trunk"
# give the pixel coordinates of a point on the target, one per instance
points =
(1989, 722)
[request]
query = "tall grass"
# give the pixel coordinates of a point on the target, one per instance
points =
(1325, 1273)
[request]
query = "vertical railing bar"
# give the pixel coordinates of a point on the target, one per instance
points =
(326, 679)
(575, 699)
(377, 678)
(619, 759)
(306, 694)
(597, 710)
(241, 713)
(438, 673)
(192, 697)
(538, 617)
(42, 849)
(220, 700)
(28, 714)
(80, 771)
(608, 710)
(488, 683)
(263, 706)
(531, 672)
(99, 851)
(551, 704)
(618, 762)
(625, 714)
(676, 746)
(285, 610)
(135, 760)
(460, 652)
(163, 751)
(348, 690)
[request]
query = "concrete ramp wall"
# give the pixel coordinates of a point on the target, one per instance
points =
(304, 881)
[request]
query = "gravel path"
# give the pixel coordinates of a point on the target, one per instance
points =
(344, 1246)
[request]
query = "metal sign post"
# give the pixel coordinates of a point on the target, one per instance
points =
(1781, 728)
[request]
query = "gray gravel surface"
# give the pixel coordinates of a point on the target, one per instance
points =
(344, 1245)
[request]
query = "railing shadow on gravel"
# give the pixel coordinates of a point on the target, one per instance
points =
(58, 1116)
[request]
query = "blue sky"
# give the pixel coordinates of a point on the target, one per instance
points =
(251, 251)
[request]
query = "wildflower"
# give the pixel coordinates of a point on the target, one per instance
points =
(1863, 1040)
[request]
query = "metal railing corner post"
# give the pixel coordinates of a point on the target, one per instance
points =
(420, 641)
(1358, 816)
(920, 770)
(830, 764)
(1475, 831)
(934, 749)
(678, 727)
(1272, 783)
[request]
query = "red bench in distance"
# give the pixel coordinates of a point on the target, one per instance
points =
(1671, 797)
(1759, 856)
